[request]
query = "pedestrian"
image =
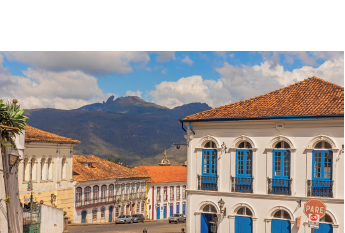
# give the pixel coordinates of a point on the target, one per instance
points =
(182, 230)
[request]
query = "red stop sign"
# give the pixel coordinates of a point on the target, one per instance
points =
(315, 206)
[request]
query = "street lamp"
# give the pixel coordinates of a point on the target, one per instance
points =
(14, 157)
(221, 205)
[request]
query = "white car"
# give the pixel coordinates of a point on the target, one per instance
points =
(124, 219)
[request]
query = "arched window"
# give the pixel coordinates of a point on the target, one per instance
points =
(43, 169)
(50, 169)
(244, 144)
(208, 180)
(326, 219)
(111, 192)
(142, 207)
(78, 197)
(87, 195)
(244, 211)
(95, 193)
(282, 214)
(63, 169)
(210, 144)
(209, 209)
(323, 145)
(282, 145)
(103, 192)
(26, 173)
(33, 170)
(117, 211)
(94, 214)
(103, 212)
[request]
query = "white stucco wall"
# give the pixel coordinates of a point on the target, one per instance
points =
(153, 203)
(51, 219)
(261, 133)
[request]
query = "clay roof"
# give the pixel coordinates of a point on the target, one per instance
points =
(312, 96)
(164, 174)
(33, 134)
(101, 169)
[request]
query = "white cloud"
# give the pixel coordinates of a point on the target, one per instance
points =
(134, 93)
(187, 60)
(46, 89)
(89, 62)
(231, 55)
(164, 71)
(239, 83)
(165, 56)
(220, 53)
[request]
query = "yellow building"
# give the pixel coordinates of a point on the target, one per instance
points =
(48, 161)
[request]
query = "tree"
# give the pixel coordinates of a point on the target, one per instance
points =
(12, 122)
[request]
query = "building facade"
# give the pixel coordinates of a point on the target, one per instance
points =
(166, 189)
(47, 164)
(253, 164)
(104, 190)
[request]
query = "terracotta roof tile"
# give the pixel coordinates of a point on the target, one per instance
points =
(312, 96)
(164, 174)
(101, 169)
(36, 135)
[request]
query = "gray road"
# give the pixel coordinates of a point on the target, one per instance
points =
(151, 227)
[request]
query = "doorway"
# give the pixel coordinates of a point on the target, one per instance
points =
(110, 214)
(83, 216)
(208, 223)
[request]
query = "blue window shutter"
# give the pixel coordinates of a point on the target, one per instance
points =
(322, 165)
(244, 160)
(281, 164)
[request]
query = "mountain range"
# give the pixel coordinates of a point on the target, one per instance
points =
(128, 128)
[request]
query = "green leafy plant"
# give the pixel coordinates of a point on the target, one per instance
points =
(7, 199)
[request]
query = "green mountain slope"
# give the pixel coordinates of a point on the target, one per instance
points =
(138, 136)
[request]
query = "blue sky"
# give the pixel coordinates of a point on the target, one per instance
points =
(69, 80)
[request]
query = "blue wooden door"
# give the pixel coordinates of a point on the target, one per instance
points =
(243, 224)
(184, 208)
(177, 208)
(324, 228)
(158, 212)
(110, 214)
(171, 210)
(83, 216)
(205, 225)
(165, 212)
(280, 226)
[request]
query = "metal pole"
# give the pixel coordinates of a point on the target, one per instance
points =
(31, 199)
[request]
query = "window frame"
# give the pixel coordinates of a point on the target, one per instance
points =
(89, 194)
(94, 215)
(109, 189)
(93, 192)
(103, 212)
(177, 192)
(105, 191)
(282, 165)
(322, 169)
(211, 160)
(245, 165)
(76, 194)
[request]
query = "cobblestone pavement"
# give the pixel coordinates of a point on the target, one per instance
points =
(151, 227)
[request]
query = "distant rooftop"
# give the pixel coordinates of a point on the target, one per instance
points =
(164, 174)
(101, 169)
(33, 134)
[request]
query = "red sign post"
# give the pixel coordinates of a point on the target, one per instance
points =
(315, 206)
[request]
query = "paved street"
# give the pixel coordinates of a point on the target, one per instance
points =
(151, 227)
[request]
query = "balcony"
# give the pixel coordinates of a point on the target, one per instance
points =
(279, 186)
(90, 202)
(320, 188)
(177, 197)
(209, 183)
(242, 185)
(171, 197)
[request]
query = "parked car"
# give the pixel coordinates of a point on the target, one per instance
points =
(177, 218)
(124, 219)
(138, 218)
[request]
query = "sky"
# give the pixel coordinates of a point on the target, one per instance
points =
(69, 80)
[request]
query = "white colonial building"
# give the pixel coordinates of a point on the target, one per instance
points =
(166, 189)
(252, 165)
(104, 190)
